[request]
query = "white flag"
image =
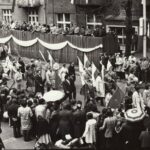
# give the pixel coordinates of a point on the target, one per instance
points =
(81, 70)
(109, 65)
(72, 1)
(86, 61)
(94, 74)
(42, 55)
(87, 1)
(50, 58)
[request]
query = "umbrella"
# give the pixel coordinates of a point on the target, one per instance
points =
(53, 96)
(134, 114)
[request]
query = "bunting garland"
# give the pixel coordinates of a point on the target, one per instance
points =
(50, 46)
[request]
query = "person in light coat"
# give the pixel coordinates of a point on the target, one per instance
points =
(137, 99)
(90, 130)
(63, 72)
(100, 88)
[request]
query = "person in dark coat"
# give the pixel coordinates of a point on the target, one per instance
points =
(72, 86)
(71, 71)
(54, 121)
(65, 122)
(145, 139)
(12, 113)
(39, 85)
(67, 88)
(130, 133)
(22, 66)
(79, 120)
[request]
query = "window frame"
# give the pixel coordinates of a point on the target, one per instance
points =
(7, 15)
(64, 23)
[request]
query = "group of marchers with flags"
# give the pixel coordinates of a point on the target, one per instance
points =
(92, 77)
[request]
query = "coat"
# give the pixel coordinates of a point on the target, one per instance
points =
(79, 120)
(90, 131)
(65, 123)
(12, 113)
(67, 86)
(100, 87)
(39, 87)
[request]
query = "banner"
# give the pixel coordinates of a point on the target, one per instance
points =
(57, 46)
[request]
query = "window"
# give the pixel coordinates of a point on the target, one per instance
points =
(92, 21)
(120, 31)
(7, 15)
(33, 15)
(63, 20)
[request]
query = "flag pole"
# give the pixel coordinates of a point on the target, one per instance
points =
(145, 29)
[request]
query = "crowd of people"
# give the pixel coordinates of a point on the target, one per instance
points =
(71, 122)
(72, 29)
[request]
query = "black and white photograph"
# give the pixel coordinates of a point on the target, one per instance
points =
(75, 74)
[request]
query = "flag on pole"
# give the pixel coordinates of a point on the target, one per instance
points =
(50, 58)
(94, 74)
(9, 49)
(116, 99)
(87, 1)
(148, 30)
(72, 1)
(102, 70)
(86, 61)
(109, 65)
(142, 2)
(42, 55)
(81, 70)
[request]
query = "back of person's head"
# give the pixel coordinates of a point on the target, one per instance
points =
(109, 112)
(89, 116)
(30, 103)
(67, 106)
(23, 103)
(41, 101)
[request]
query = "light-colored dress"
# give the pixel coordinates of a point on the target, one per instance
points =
(25, 113)
(90, 131)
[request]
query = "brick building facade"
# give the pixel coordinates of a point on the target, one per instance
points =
(63, 13)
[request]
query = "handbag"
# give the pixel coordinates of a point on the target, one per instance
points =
(5, 115)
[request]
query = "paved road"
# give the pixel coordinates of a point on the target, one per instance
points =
(12, 143)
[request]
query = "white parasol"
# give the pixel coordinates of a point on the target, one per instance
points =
(134, 115)
(53, 96)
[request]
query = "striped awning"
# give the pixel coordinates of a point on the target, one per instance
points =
(29, 3)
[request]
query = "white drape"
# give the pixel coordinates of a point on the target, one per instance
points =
(54, 46)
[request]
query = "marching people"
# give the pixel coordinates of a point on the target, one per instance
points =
(18, 79)
(63, 72)
(50, 79)
(69, 117)
(39, 83)
(67, 88)
(29, 75)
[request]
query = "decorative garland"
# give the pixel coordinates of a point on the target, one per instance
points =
(57, 46)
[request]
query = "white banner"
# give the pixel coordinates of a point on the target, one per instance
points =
(5, 39)
(54, 46)
(25, 43)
